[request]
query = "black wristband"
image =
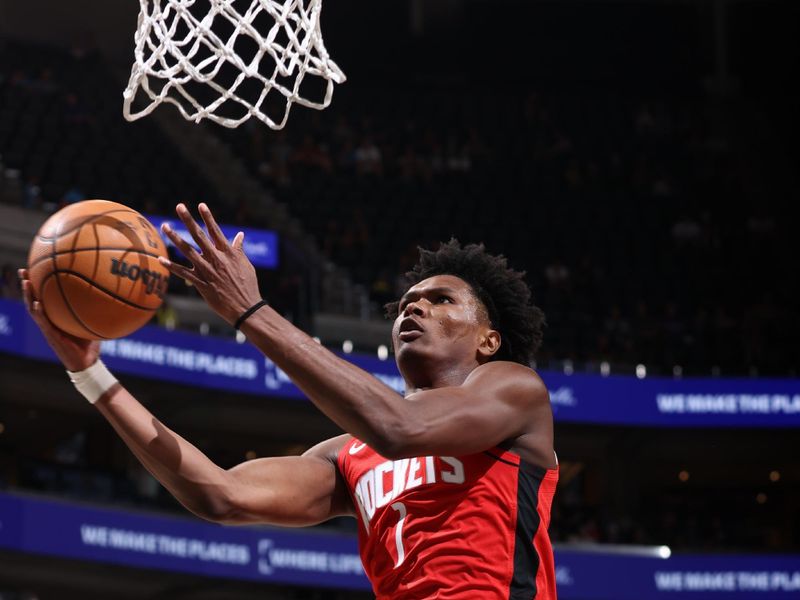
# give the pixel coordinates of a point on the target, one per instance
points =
(246, 314)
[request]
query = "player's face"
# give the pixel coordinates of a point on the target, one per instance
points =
(439, 319)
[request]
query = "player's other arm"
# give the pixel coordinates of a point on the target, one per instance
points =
(289, 491)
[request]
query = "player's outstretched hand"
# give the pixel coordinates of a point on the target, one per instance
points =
(75, 353)
(221, 272)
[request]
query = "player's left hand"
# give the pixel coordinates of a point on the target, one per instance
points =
(221, 272)
(75, 353)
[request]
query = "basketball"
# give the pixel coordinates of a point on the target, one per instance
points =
(94, 267)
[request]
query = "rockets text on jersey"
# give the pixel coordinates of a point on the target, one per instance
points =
(372, 493)
(452, 526)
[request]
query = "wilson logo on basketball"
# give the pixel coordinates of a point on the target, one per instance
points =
(154, 283)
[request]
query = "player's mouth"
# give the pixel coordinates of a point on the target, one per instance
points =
(410, 335)
(409, 330)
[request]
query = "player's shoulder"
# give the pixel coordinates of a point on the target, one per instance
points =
(505, 370)
(510, 378)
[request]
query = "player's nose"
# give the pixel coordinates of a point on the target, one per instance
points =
(416, 307)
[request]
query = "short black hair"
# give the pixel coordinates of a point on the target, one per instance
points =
(501, 289)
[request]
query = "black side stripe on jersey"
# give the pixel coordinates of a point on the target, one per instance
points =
(499, 458)
(537, 472)
(526, 560)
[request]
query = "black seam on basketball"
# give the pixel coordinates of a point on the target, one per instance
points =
(97, 253)
(66, 302)
(102, 289)
(62, 252)
(82, 223)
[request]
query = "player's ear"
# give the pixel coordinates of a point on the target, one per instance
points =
(489, 345)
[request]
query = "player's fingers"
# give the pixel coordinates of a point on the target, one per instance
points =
(25, 286)
(180, 271)
(181, 244)
(219, 239)
(27, 295)
(194, 229)
(33, 306)
(238, 241)
(36, 311)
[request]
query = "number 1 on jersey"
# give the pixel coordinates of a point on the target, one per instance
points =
(398, 532)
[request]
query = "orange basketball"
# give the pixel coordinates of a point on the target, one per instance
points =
(94, 267)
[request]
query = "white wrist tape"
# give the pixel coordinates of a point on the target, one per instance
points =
(93, 382)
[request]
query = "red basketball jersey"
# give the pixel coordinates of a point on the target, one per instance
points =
(446, 527)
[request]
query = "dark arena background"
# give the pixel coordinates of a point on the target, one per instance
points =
(638, 158)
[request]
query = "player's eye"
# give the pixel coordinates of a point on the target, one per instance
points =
(444, 299)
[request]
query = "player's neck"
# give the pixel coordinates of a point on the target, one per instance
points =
(449, 376)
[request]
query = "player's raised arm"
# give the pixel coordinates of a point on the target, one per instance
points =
(225, 278)
(442, 333)
(289, 491)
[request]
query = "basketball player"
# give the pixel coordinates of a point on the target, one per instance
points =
(451, 483)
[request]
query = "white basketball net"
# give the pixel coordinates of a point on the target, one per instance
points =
(176, 50)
